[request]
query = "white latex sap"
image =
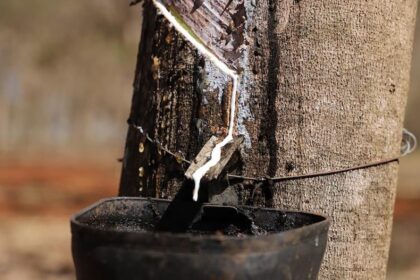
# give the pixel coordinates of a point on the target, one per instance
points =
(217, 150)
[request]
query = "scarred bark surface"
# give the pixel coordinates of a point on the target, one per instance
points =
(323, 86)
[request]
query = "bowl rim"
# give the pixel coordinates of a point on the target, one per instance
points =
(321, 225)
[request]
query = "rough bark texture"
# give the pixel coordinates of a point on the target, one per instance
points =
(323, 87)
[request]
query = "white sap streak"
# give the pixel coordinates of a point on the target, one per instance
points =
(217, 150)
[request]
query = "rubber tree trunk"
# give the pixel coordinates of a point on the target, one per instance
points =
(323, 87)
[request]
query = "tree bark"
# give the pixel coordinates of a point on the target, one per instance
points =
(323, 87)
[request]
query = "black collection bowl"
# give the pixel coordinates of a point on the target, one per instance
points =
(114, 239)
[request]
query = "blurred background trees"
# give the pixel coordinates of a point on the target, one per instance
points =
(65, 76)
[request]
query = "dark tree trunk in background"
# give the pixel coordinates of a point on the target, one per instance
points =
(323, 87)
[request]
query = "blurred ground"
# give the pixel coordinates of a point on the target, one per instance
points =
(36, 201)
(66, 69)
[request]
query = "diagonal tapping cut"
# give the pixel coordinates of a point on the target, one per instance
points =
(181, 27)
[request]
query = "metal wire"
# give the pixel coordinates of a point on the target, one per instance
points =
(313, 175)
(408, 145)
(159, 144)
